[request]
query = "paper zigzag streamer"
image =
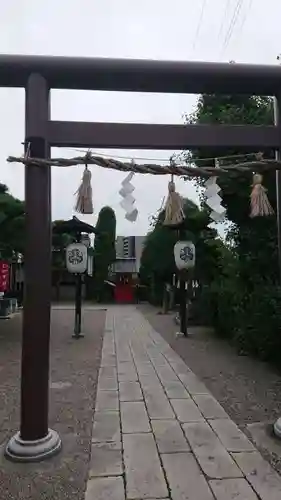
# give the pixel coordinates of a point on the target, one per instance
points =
(128, 200)
(213, 200)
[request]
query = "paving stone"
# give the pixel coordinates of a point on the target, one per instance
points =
(170, 354)
(108, 342)
(157, 403)
(123, 352)
(169, 436)
(261, 433)
(265, 481)
(140, 357)
(209, 406)
(166, 374)
(105, 488)
(134, 417)
(231, 437)
(106, 427)
(127, 372)
(192, 383)
(130, 391)
(145, 369)
(176, 390)
(186, 410)
(211, 455)
(178, 365)
(107, 371)
(153, 351)
(232, 489)
(108, 345)
(108, 360)
(107, 384)
(160, 361)
(144, 475)
(185, 479)
(147, 381)
(107, 400)
(106, 460)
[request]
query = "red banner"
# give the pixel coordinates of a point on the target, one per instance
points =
(4, 276)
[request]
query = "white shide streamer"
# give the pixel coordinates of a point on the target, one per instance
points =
(213, 200)
(128, 200)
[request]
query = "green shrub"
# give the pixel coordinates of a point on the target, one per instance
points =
(250, 319)
(259, 328)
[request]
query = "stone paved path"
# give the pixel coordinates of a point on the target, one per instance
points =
(158, 433)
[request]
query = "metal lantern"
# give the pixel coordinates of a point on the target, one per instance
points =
(184, 253)
(85, 239)
(76, 258)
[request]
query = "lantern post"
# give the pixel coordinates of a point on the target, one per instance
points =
(76, 263)
(77, 259)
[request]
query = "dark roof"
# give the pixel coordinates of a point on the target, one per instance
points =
(73, 225)
(141, 75)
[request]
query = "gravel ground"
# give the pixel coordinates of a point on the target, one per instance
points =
(74, 369)
(249, 390)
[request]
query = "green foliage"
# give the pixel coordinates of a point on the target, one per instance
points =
(11, 224)
(104, 251)
(242, 299)
(59, 244)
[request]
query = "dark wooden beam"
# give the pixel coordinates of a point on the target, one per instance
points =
(37, 293)
(141, 75)
(146, 136)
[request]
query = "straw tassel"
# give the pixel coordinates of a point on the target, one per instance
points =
(260, 205)
(84, 203)
(174, 214)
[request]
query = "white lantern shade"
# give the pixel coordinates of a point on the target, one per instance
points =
(184, 253)
(76, 258)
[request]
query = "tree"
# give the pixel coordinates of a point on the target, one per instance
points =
(11, 224)
(245, 295)
(255, 239)
(104, 250)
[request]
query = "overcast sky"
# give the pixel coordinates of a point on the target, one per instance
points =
(211, 30)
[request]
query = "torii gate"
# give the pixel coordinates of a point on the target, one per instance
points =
(39, 74)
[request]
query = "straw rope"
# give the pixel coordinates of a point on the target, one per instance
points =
(258, 165)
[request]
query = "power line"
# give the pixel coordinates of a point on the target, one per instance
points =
(227, 6)
(129, 158)
(199, 23)
(246, 13)
(177, 158)
(232, 24)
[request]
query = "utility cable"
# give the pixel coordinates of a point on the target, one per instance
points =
(232, 24)
(201, 15)
(177, 158)
(224, 18)
(246, 13)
